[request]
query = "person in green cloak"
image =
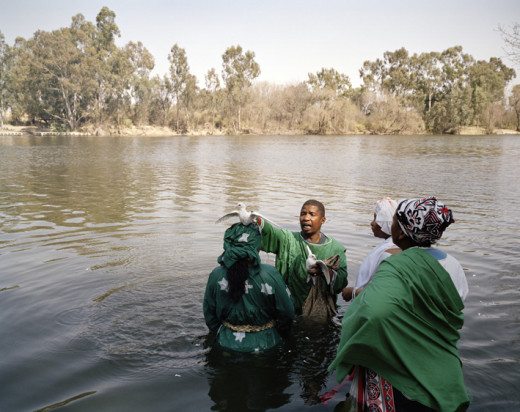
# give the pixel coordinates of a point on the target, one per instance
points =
(246, 302)
(291, 252)
(399, 336)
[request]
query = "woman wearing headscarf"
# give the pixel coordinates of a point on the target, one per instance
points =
(384, 211)
(246, 302)
(403, 328)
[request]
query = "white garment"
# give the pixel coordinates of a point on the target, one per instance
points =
(453, 267)
(385, 211)
(371, 263)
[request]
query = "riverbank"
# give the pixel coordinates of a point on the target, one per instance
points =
(159, 131)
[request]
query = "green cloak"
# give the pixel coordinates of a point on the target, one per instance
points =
(404, 326)
(267, 298)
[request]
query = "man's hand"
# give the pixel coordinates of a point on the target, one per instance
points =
(313, 270)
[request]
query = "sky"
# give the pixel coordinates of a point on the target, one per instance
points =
(290, 38)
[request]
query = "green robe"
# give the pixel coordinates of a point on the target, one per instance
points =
(266, 298)
(291, 253)
(404, 326)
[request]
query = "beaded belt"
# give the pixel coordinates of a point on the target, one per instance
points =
(249, 328)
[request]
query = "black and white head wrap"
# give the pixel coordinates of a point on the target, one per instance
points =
(423, 220)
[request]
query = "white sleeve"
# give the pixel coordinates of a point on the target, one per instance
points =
(457, 275)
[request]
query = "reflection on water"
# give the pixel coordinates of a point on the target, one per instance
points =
(106, 245)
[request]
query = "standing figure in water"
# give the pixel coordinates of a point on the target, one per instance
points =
(292, 250)
(400, 334)
(381, 228)
(246, 302)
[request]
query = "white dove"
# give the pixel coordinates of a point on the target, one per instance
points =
(322, 267)
(246, 217)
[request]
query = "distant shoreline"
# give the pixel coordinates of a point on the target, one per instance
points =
(157, 131)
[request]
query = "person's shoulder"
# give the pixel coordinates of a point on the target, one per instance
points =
(265, 268)
(270, 272)
(330, 240)
(219, 271)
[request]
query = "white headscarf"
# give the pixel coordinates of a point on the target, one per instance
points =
(385, 211)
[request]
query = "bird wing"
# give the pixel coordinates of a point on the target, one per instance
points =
(324, 270)
(227, 216)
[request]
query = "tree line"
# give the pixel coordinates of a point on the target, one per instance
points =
(78, 78)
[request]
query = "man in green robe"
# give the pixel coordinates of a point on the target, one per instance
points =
(404, 326)
(291, 252)
(246, 302)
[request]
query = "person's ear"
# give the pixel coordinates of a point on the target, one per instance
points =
(323, 219)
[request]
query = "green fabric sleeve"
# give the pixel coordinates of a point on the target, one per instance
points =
(291, 253)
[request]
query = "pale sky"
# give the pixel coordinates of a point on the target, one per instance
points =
(290, 38)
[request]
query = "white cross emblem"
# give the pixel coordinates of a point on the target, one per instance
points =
(223, 284)
(267, 289)
(247, 286)
(243, 238)
(239, 336)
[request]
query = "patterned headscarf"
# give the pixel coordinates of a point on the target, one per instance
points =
(385, 211)
(423, 220)
(241, 242)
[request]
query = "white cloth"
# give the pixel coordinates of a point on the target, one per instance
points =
(385, 211)
(453, 267)
(371, 263)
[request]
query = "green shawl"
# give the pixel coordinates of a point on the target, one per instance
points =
(404, 326)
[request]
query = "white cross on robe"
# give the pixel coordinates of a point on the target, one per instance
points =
(267, 289)
(239, 336)
(223, 284)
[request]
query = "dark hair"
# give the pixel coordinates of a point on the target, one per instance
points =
(319, 205)
(237, 275)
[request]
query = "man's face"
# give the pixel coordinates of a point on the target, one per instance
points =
(311, 220)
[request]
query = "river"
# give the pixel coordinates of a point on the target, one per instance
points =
(106, 244)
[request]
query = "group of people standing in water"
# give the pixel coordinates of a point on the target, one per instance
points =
(399, 335)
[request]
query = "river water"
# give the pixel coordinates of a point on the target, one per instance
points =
(106, 244)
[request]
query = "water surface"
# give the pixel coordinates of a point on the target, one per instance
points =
(106, 244)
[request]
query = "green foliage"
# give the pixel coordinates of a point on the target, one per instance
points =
(77, 76)
(514, 102)
(332, 80)
(239, 71)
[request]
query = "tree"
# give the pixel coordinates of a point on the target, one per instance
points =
(488, 81)
(427, 67)
(514, 102)
(330, 79)
(511, 37)
(103, 58)
(182, 81)
(142, 63)
(160, 100)
(213, 93)
(4, 73)
(393, 74)
(50, 72)
(239, 71)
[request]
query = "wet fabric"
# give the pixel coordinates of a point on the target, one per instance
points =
(423, 220)
(319, 303)
(291, 253)
(241, 242)
(405, 327)
(266, 298)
